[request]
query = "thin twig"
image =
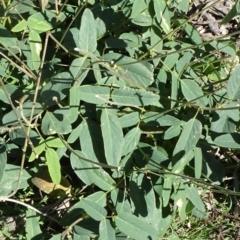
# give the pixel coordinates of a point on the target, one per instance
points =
(85, 159)
(28, 140)
(7, 199)
(70, 227)
(118, 103)
(31, 75)
(112, 69)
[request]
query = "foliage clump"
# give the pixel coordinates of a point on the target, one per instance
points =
(122, 116)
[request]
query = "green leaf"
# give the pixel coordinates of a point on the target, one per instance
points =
(134, 73)
(142, 197)
(227, 47)
(6, 39)
(193, 196)
(102, 179)
(167, 189)
(198, 162)
(56, 89)
(112, 136)
(79, 69)
(87, 36)
(82, 168)
(162, 15)
(93, 209)
(174, 90)
(161, 221)
(32, 227)
(98, 197)
(120, 203)
(94, 94)
(106, 231)
(135, 97)
(156, 43)
(18, 136)
(138, 7)
(191, 91)
(233, 87)
(135, 227)
(212, 168)
(191, 32)
(34, 23)
(144, 19)
(155, 119)
(180, 165)
(91, 2)
(10, 178)
(18, 7)
(131, 140)
(189, 137)
(38, 149)
(54, 142)
(74, 135)
(74, 104)
(170, 61)
(91, 140)
(89, 173)
(129, 119)
(172, 132)
(183, 6)
(36, 47)
(54, 167)
(53, 123)
(232, 13)
(225, 121)
(229, 140)
(11, 119)
(183, 61)
(87, 227)
(3, 161)
(21, 26)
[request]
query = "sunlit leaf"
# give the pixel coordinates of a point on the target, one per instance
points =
(93, 209)
(87, 36)
(106, 231)
(135, 227)
(233, 87)
(131, 140)
(54, 166)
(22, 25)
(163, 15)
(228, 140)
(79, 69)
(129, 119)
(180, 165)
(134, 97)
(136, 75)
(193, 195)
(32, 226)
(56, 89)
(10, 178)
(94, 94)
(38, 25)
(189, 137)
(91, 140)
(53, 123)
(112, 136)
(38, 150)
(36, 47)
(191, 91)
